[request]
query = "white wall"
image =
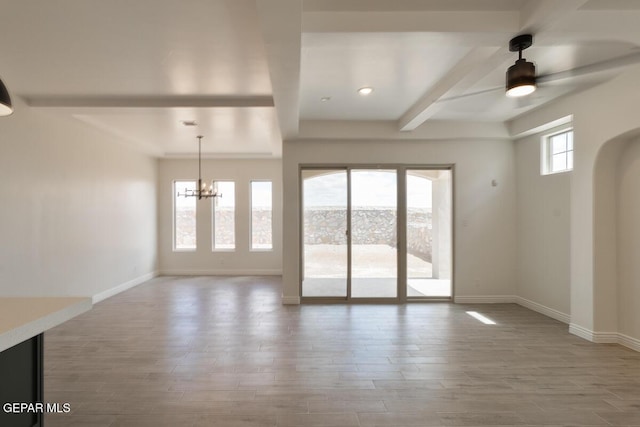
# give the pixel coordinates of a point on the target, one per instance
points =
(484, 223)
(204, 260)
(543, 229)
(78, 210)
(605, 236)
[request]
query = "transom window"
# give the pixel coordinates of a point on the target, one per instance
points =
(557, 152)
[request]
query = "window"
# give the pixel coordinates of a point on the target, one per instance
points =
(224, 213)
(184, 216)
(261, 212)
(557, 152)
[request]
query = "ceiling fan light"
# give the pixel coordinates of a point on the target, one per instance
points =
(6, 107)
(519, 91)
(521, 78)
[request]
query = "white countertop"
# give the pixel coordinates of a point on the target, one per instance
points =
(24, 318)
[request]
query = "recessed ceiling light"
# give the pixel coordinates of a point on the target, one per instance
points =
(189, 123)
(325, 98)
(364, 91)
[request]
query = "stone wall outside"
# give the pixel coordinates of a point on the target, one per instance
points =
(373, 226)
(327, 225)
(225, 217)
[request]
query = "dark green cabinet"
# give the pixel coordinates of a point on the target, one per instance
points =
(21, 382)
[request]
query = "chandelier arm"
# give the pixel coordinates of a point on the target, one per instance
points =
(201, 192)
(200, 160)
(199, 167)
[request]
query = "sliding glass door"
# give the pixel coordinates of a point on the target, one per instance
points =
(374, 233)
(324, 230)
(429, 232)
(351, 222)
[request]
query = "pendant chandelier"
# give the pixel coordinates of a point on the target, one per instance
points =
(201, 191)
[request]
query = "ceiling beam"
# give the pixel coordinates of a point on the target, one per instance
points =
(280, 21)
(589, 24)
(409, 21)
(386, 5)
(161, 101)
(367, 130)
(500, 59)
(477, 63)
(538, 15)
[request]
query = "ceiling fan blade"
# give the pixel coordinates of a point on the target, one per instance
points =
(524, 101)
(467, 95)
(610, 64)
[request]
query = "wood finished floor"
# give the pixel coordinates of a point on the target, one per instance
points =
(206, 351)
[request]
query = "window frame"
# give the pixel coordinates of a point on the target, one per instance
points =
(546, 152)
(251, 248)
(173, 225)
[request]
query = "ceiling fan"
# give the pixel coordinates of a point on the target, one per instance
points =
(521, 78)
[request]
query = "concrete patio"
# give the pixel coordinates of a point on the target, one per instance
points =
(374, 273)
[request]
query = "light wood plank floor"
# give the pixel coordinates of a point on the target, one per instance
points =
(206, 351)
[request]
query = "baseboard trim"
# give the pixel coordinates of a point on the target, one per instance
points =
(286, 300)
(543, 309)
(123, 287)
(578, 330)
(485, 299)
(595, 337)
(605, 337)
(629, 342)
(263, 272)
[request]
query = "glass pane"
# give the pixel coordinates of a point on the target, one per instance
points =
(224, 212)
(374, 242)
(419, 224)
(570, 140)
(429, 229)
(184, 215)
(559, 162)
(559, 143)
(261, 203)
(324, 210)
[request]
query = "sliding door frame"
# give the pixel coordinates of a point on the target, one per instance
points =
(451, 168)
(401, 231)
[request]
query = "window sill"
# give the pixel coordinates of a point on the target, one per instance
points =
(557, 172)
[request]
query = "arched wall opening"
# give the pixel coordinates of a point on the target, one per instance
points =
(616, 239)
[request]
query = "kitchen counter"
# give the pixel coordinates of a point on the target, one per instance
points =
(23, 322)
(24, 318)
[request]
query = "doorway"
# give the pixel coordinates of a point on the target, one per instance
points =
(371, 234)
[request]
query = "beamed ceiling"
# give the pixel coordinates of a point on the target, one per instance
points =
(254, 72)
